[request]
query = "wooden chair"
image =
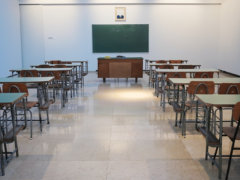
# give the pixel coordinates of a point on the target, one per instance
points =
(43, 66)
(195, 87)
(229, 88)
(186, 66)
(167, 66)
(29, 73)
(233, 133)
(176, 61)
(170, 90)
(162, 61)
(60, 66)
(28, 105)
(203, 75)
(55, 62)
(65, 62)
(8, 132)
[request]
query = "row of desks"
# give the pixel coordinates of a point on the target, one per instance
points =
(211, 101)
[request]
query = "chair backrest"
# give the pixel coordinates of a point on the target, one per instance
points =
(161, 61)
(43, 66)
(29, 73)
(60, 66)
(56, 74)
(236, 112)
(65, 62)
(186, 66)
(203, 75)
(55, 62)
(176, 75)
(15, 88)
(176, 61)
(229, 88)
(201, 87)
(167, 66)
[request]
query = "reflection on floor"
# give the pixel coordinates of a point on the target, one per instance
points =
(113, 130)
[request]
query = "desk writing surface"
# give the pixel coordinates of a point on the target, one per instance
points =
(26, 79)
(10, 98)
(159, 64)
(185, 70)
(53, 65)
(53, 69)
(122, 58)
(186, 81)
(223, 100)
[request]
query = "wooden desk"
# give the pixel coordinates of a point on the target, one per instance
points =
(120, 68)
(220, 101)
(151, 65)
(162, 72)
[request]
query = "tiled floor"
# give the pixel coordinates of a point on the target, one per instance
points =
(113, 131)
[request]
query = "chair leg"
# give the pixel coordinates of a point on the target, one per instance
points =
(215, 154)
(40, 119)
(47, 117)
(230, 159)
(2, 160)
(31, 124)
(176, 119)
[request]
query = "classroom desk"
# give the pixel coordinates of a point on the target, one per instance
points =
(9, 100)
(220, 101)
(42, 82)
(148, 61)
(83, 70)
(151, 65)
(162, 72)
(183, 82)
(76, 71)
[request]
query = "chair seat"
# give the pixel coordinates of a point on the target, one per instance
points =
(29, 104)
(229, 131)
(8, 138)
(193, 104)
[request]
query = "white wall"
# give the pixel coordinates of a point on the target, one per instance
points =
(32, 29)
(10, 44)
(229, 59)
(176, 31)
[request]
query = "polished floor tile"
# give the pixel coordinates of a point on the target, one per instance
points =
(113, 131)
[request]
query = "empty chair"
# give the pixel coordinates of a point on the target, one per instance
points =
(167, 66)
(21, 87)
(162, 61)
(43, 66)
(186, 66)
(195, 87)
(229, 88)
(233, 133)
(170, 90)
(65, 62)
(203, 75)
(176, 61)
(60, 66)
(55, 62)
(29, 73)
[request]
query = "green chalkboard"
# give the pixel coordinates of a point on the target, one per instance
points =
(120, 38)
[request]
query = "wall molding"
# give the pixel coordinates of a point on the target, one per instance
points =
(118, 4)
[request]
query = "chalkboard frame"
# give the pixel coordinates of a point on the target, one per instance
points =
(114, 38)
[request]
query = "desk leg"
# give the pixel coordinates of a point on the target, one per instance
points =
(104, 80)
(136, 80)
(220, 141)
(14, 130)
